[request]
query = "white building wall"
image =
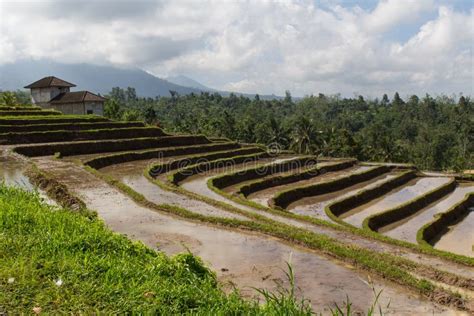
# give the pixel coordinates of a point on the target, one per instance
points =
(96, 108)
(41, 96)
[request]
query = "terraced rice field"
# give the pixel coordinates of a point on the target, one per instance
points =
(246, 212)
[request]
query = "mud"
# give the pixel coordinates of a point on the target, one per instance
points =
(314, 206)
(243, 259)
(407, 229)
(413, 189)
(460, 237)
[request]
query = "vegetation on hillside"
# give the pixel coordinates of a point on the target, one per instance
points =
(57, 261)
(432, 133)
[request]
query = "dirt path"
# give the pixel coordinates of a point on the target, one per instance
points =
(246, 260)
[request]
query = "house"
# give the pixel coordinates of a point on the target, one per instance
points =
(54, 93)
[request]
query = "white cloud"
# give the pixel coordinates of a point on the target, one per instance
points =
(255, 46)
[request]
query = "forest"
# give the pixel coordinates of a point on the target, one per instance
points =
(434, 133)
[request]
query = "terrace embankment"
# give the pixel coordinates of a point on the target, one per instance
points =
(452, 229)
(407, 228)
(78, 135)
(29, 113)
(315, 206)
(285, 198)
(245, 259)
(264, 197)
(60, 119)
(6, 128)
(108, 146)
(321, 168)
(411, 190)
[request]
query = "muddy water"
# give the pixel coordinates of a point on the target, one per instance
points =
(246, 260)
(12, 172)
(263, 196)
(314, 206)
(131, 174)
(460, 237)
(412, 190)
(407, 228)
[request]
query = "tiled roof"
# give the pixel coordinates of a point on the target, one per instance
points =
(77, 96)
(50, 81)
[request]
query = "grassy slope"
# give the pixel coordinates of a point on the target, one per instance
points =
(100, 270)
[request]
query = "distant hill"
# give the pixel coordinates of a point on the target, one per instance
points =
(101, 79)
(188, 82)
(95, 78)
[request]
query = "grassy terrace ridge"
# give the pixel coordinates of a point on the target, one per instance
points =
(189, 171)
(66, 126)
(175, 164)
(389, 266)
(399, 212)
(29, 113)
(38, 119)
(316, 221)
(285, 198)
(122, 157)
(437, 226)
(62, 262)
(262, 184)
(103, 146)
(20, 108)
(68, 135)
(228, 179)
(337, 208)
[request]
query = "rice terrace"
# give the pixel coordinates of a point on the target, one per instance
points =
(292, 231)
(296, 157)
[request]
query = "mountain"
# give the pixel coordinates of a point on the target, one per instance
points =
(98, 79)
(188, 82)
(101, 79)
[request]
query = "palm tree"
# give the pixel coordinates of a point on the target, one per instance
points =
(304, 137)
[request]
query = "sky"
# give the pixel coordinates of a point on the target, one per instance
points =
(267, 47)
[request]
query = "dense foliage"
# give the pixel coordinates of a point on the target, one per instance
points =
(433, 133)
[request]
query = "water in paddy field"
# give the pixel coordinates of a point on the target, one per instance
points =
(263, 196)
(315, 206)
(12, 172)
(460, 237)
(243, 258)
(412, 190)
(407, 228)
(131, 174)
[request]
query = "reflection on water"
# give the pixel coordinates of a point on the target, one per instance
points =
(412, 190)
(407, 228)
(460, 237)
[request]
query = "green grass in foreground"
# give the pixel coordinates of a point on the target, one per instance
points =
(63, 262)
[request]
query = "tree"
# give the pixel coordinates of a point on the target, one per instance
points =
(112, 109)
(385, 100)
(149, 115)
(8, 98)
(130, 115)
(304, 136)
(397, 101)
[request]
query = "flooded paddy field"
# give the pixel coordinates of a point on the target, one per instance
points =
(314, 206)
(245, 260)
(131, 174)
(460, 237)
(263, 196)
(411, 190)
(408, 227)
